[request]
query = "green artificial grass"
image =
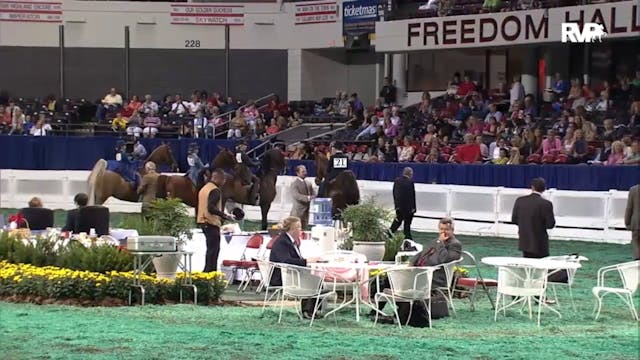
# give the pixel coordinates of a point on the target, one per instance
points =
(235, 332)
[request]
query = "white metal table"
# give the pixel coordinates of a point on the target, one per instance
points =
(140, 263)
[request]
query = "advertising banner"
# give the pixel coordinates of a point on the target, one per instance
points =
(316, 12)
(207, 14)
(359, 17)
(31, 11)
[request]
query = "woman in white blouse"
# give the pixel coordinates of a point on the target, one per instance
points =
(41, 127)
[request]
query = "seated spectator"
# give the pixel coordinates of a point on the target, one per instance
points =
(466, 87)
(551, 146)
(195, 104)
(5, 120)
(616, 156)
(18, 121)
(406, 151)
(281, 121)
(469, 152)
(433, 157)
(151, 124)
(42, 127)
(493, 113)
(132, 106)
(369, 129)
(200, 123)
(503, 158)
(110, 103)
(179, 106)
(52, 104)
(133, 126)
(237, 126)
(580, 148)
(149, 107)
(634, 156)
(495, 146)
(484, 149)
(273, 128)
(119, 123)
(81, 200)
(139, 151)
(514, 156)
(560, 87)
(35, 202)
(295, 119)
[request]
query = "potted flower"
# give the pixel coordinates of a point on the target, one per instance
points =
(369, 223)
(166, 217)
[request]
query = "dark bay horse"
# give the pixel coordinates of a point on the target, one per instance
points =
(262, 192)
(343, 190)
(104, 183)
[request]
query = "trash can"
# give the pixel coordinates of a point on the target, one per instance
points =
(320, 212)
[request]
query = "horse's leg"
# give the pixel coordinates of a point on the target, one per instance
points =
(264, 209)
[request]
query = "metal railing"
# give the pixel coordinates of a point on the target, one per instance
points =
(230, 114)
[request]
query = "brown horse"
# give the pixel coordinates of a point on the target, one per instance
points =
(104, 183)
(343, 190)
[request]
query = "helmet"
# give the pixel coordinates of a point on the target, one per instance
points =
(120, 144)
(238, 213)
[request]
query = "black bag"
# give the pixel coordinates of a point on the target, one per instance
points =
(419, 315)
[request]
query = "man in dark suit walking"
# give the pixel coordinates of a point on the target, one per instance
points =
(285, 250)
(534, 215)
(632, 219)
(404, 199)
(81, 200)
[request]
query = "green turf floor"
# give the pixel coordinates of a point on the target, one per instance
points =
(227, 332)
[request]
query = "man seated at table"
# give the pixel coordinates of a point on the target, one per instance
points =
(444, 249)
(81, 199)
(286, 250)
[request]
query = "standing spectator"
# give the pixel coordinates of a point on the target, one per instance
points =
(517, 91)
(81, 200)
(148, 187)
(210, 217)
(18, 121)
(404, 199)
(534, 215)
(302, 193)
(389, 92)
(111, 102)
(632, 219)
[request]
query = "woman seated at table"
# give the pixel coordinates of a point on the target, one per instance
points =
(445, 248)
(286, 250)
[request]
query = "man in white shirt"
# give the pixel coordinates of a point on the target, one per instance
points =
(493, 111)
(111, 102)
(149, 107)
(179, 107)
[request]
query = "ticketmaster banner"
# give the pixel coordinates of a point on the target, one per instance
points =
(359, 17)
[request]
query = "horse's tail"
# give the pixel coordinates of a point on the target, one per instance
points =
(354, 198)
(95, 180)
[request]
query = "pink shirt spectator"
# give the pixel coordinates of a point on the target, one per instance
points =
(391, 131)
(615, 159)
(551, 147)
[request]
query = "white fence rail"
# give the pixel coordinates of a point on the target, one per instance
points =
(580, 215)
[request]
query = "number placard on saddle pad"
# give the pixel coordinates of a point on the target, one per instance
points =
(340, 163)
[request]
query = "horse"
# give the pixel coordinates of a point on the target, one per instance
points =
(264, 191)
(343, 190)
(104, 183)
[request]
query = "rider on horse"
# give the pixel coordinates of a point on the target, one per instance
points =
(126, 166)
(244, 164)
(338, 163)
(195, 164)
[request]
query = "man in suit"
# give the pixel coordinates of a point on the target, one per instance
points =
(81, 200)
(404, 198)
(446, 248)
(338, 162)
(534, 215)
(285, 250)
(210, 216)
(148, 186)
(302, 193)
(632, 219)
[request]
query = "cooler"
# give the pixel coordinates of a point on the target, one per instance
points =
(152, 243)
(320, 212)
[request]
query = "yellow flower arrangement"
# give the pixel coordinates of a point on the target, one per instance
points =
(60, 283)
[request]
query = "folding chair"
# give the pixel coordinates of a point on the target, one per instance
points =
(471, 283)
(409, 284)
(249, 267)
(629, 274)
(571, 274)
(300, 283)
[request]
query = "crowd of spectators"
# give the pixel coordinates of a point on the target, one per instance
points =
(202, 116)
(576, 123)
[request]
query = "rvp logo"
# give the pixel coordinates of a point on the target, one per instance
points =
(591, 32)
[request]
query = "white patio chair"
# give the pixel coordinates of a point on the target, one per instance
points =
(447, 291)
(300, 283)
(522, 282)
(471, 282)
(630, 276)
(408, 284)
(571, 274)
(266, 271)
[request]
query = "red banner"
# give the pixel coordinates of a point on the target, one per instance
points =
(31, 11)
(316, 12)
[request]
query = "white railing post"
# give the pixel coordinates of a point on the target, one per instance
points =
(496, 211)
(449, 200)
(608, 212)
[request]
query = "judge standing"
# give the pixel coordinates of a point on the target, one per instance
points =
(632, 219)
(302, 193)
(534, 215)
(404, 198)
